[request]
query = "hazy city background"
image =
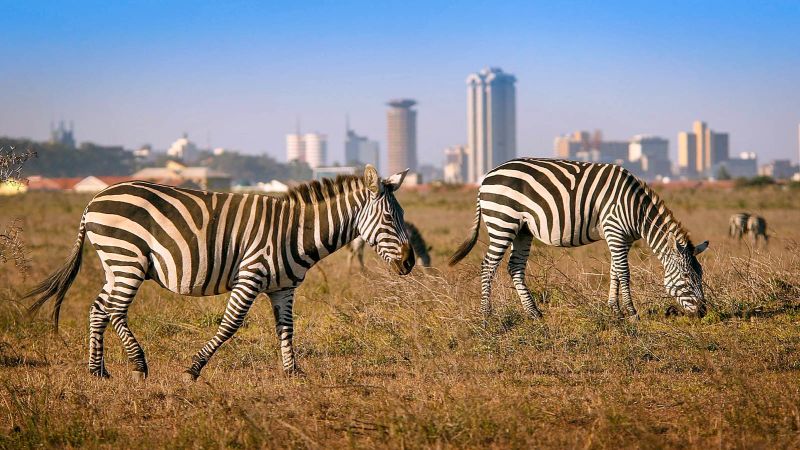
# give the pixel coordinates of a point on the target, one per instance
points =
(243, 77)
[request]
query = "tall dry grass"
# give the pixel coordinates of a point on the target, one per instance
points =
(405, 362)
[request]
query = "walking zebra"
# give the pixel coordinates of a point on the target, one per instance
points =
(757, 228)
(569, 204)
(205, 243)
(421, 248)
(737, 225)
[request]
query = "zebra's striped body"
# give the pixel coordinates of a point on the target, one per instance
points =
(757, 228)
(421, 248)
(206, 243)
(569, 204)
(737, 225)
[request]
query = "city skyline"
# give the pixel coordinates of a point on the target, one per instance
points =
(130, 74)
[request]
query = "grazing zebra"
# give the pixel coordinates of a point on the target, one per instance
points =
(737, 225)
(757, 228)
(205, 243)
(421, 248)
(569, 204)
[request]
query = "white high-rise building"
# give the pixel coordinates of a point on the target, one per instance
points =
(295, 148)
(401, 142)
(183, 149)
(491, 121)
(316, 147)
(455, 164)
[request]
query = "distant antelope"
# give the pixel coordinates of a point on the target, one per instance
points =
(757, 227)
(737, 225)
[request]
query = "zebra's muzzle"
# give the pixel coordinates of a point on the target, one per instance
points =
(406, 261)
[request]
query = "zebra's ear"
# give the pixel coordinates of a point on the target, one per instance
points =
(394, 181)
(700, 248)
(371, 179)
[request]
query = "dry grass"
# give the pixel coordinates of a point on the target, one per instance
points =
(404, 362)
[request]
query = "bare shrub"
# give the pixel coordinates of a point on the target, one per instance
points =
(11, 164)
(12, 246)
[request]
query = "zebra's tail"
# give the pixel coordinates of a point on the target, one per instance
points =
(57, 284)
(466, 246)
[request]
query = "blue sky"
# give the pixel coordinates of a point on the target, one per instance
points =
(239, 74)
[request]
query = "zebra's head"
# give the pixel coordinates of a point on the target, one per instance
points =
(381, 223)
(683, 275)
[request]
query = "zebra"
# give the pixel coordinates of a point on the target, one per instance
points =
(201, 243)
(421, 248)
(570, 204)
(757, 227)
(737, 225)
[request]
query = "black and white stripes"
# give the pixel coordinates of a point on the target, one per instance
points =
(205, 243)
(569, 204)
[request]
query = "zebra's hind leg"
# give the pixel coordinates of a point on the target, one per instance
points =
(520, 249)
(117, 308)
(239, 304)
(98, 322)
(282, 302)
(497, 248)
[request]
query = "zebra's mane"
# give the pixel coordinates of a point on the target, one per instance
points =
(323, 190)
(671, 223)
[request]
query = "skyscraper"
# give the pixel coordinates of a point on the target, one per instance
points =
(310, 148)
(316, 147)
(687, 153)
(401, 121)
(491, 120)
(359, 150)
(700, 150)
(295, 147)
(703, 139)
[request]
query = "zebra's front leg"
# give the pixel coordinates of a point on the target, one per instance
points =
(520, 249)
(621, 276)
(613, 294)
(239, 304)
(282, 302)
(98, 322)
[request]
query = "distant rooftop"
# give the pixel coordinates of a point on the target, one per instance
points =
(401, 103)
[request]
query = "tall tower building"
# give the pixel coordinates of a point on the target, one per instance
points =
(491, 120)
(703, 140)
(687, 153)
(401, 121)
(316, 148)
(295, 147)
(719, 148)
(359, 150)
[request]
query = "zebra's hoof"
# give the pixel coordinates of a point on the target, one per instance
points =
(189, 377)
(633, 318)
(296, 372)
(139, 376)
(101, 373)
(536, 314)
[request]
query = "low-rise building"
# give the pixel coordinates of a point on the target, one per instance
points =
(779, 169)
(333, 171)
(176, 174)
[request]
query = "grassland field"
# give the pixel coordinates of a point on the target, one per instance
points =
(404, 362)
